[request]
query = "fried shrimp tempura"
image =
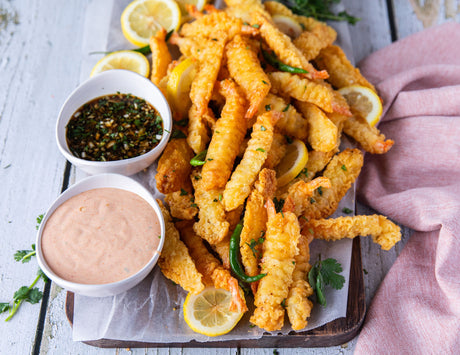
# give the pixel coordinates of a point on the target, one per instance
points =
(298, 306)
(342, 171)
(243, 8)
(383, 231)
(181, 203)
(341, 72)
(161, 58)
(322, 132)
(368, 137)
(174, 168)
(292, 123)
(277, 151)
(198, 136)
(175, 261)
(229, 133)
(283, 47)
(299, 194)
(214, 273)
(239, 186)
(212, 224)
(244, 67)
(207, 25)
(255, 220)
(208, 69)
(310, 43)
(279, 250)
(303, 89)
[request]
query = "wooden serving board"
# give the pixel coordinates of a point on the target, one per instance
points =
(333, 333)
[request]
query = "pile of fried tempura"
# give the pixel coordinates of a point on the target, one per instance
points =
(245, 112)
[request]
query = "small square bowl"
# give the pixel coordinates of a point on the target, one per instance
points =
(89, 183)
(106, 83)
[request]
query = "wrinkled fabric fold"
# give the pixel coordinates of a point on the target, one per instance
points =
(417, 183)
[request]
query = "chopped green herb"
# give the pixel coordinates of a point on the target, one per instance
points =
(159, 237)
(253, 246)
(24, 256)
(220, 197)
(183, 192)
(343, 167)
(278, 204)
(283, 303)
(289, 139)
(293, 262)
(312, 200)
(260, 150)
(256, 25)
(268, 107)
(262, 128)
(182, 123)
(320, 190)
(304, 171)
(286, 108)
(177, 133)
(264, 82)
(215, 200)
(325, 272)
(39, 220)
(194, 205)
(347, 210)
(365, 272)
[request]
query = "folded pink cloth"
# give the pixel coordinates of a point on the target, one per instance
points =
(417, 183)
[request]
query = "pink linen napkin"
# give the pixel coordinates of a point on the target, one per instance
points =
(417, 183)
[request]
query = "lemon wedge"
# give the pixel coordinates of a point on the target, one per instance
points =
(128, 60)
(141, 19)
(287, 25)
(364, 101)
(293, 162)
(208, 312)
(178, 86)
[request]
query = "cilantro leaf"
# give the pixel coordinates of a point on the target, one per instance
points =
(21, 294)
(34, 296)
(325, 272)
(39, 220)
(4, 306)
(24, 255)
(42, 275)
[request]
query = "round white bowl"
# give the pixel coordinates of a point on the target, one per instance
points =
(106, 83)
(94, 182)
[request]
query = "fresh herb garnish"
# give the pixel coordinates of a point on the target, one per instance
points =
(325, 272)
(347, 210)
(343, 167)
(39, 220)
(261, 150)
(183, 192)
(24, 256)
(253, 246)
(278, 204)
(262, 128)
(319, 9)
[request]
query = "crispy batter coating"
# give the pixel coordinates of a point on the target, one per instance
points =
(161, 58)
(292, 123)
(342, 171)
(208, 69)
(312, 42)
(322, 132)
(298, 306)
(198, 136)
(173, 169)
(255, 220)
(277, 151)
(208, 25)
(214, 273)
(383, 231)
(239, 186)
(368, 137)
(243, 8)
(228, 135)
(212, 224)
(303, 89)
(279, 250)
(244, 67)
(299, 194)
(175, 261)
(341, 72)
(283, 47)
(181, 203)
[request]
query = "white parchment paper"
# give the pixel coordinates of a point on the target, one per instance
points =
(151, 311)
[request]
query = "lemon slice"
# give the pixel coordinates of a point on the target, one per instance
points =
(293, 162)
(208, 312)
(365, 101)
(287, 25)
(178, 86)
(141, 19)
(128, 60)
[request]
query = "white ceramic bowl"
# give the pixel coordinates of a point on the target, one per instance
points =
(94, 182)
(106, 83)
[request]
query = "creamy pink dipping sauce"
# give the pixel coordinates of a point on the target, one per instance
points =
(101, 236)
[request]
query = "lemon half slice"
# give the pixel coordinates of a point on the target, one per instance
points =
(208, 312)
(287, 25)
(128, 60)
(141, 19)
(364, 101)
(293, 162)
(178, 86)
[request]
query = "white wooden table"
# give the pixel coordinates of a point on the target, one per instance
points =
(40, 51)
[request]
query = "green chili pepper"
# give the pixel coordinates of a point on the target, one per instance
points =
(199, 159)
(234, 252)
(275, 62)
(143, 50)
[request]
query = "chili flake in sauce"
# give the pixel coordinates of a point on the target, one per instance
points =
(114, 127)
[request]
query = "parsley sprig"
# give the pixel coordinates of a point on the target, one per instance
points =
(318, 9)
(30, 293)
(325, 272)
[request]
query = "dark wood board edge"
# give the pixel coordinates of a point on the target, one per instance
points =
(333, 333)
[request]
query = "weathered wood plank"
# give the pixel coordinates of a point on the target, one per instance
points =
(415, 15)
(35, 77)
